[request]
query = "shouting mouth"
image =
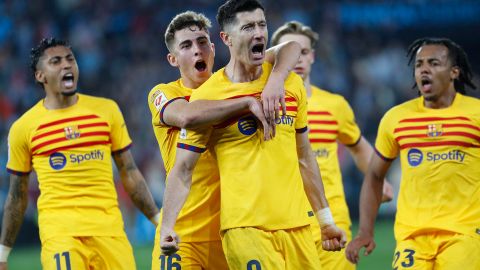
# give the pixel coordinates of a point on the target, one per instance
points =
(257, 50)
(426, 84)
(201, 66)
(68, 80)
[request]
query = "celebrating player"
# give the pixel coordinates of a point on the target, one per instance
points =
(198, 225)
(69, 139)
(437, 136)
(264, 210)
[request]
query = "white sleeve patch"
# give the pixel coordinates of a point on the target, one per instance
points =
(183, 134)
(160, 100)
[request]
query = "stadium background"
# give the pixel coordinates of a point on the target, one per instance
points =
(121, 54)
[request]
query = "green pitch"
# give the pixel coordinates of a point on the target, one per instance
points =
(381, 258)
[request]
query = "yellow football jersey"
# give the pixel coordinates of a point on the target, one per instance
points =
(199, 219)
(330, 118)
(261, 185)
(440, 157)
(70, 149)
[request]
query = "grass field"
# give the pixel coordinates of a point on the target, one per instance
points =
(380, 259)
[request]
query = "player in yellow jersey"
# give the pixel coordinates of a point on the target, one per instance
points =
(69, 139)
(437, 137)
(330, 119)
(198, 225)
(264, 212)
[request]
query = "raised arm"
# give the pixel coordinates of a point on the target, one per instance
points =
(333, 238)
(370, 200)
(361, 153)
(284, 57)
(14, 211)
(135, 185)
(179, 181)
(199, 113)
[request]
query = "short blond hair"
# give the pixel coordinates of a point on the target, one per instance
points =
(183, 20)
(294, 27)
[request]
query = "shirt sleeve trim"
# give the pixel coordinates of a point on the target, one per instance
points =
(382, 156)
(356, 142)
(301, 130)
(17, 172)
(119, 151)
(191, 148)
(165, 106)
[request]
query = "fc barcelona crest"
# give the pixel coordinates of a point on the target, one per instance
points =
(72, 132)
(434, 130)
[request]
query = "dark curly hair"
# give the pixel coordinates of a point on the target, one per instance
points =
(44, 44)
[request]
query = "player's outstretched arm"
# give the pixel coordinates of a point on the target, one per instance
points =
(361, 153)
(370, 200)
(135, 185)
(179, 181)
(284, 58)
(333, 238)
(13, 214)
(199, 113)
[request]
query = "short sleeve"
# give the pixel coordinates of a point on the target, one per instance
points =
(195, 140)
(301, 121)
(19, 154)
(119, 133)
(158, 100)
(348, 130)
(385, 145)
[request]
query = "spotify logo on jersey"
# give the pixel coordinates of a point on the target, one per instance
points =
(247, 125)
(414, 157)
(57, 161)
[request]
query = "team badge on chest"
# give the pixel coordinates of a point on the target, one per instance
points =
(434, 130)
(72, 132)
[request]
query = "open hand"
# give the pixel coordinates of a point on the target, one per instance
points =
(356, 244)
(273, 95)
(256, 109)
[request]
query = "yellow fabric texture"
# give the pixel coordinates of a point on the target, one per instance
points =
(199, 219)
(70, 150)
(261, 185)
(439, 152)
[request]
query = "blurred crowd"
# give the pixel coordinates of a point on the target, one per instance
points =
(121, 54)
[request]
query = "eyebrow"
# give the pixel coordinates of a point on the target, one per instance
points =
(187, 41)
(428, 59)
(184, 42)
(262, 21)
(60, 56)
(255, 22)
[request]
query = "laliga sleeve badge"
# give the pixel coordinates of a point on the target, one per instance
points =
(183, 134)
(160, 100)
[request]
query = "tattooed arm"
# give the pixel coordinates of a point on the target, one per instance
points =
(14, 211)
(135, 185)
